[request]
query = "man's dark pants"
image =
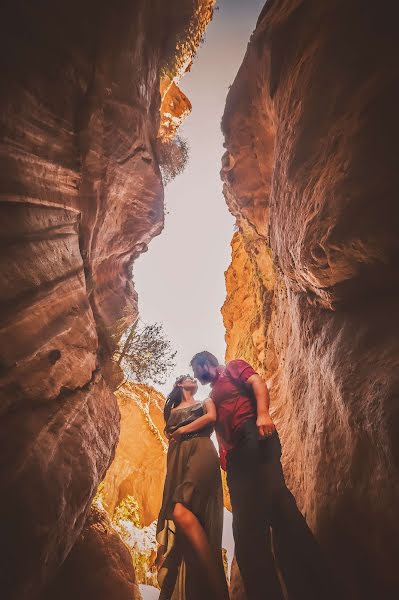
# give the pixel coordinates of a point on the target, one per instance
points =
(260, 499)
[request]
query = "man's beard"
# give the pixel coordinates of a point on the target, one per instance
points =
(205, 379)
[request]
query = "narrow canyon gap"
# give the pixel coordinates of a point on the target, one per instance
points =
(310, 169)
(186, 287)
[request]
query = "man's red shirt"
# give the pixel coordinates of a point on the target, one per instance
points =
(233, 408)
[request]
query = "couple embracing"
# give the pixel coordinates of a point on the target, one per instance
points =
(273, 544)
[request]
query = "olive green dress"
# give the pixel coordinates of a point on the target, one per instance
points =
(192, 478)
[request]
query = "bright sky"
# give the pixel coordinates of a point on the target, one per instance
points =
(180, 280)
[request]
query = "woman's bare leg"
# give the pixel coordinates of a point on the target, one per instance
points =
(195, 536)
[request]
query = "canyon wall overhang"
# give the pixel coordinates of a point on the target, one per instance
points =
(81, 197)
(310, 172)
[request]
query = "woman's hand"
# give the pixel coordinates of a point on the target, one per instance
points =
(177, 435)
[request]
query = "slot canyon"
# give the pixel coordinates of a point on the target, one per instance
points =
(90, 96)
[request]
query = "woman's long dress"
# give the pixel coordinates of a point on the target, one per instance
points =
(192, 478)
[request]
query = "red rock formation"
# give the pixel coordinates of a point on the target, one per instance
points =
(310, 172)
(52, 458)
(81, 197)
(236, 588)
(99, 566)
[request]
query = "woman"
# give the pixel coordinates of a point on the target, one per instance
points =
(190, 522)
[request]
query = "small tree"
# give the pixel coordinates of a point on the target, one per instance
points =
(173, 157)
(145, 354)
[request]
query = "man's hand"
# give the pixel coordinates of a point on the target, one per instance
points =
(265, 426)
(264, 423)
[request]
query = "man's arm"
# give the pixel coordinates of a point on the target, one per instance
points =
(264, 422)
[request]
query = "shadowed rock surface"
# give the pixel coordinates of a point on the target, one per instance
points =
(236, 589)
(99, 565)
(81, 197)
(310, 172)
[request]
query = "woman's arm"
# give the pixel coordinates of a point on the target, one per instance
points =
(200, 423)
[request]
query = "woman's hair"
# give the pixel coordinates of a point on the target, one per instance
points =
(174, 398)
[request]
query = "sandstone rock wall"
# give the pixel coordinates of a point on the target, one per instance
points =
(139, 467)
(175, 106)
(99, 565)
(81, 197)
(311, 132)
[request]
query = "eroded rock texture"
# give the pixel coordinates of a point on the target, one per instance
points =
(175, 106)
(99, 566)
(139, 467)
(81, 197)
(236, 588)
(310, 172)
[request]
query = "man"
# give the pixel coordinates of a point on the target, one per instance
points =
(250, 452)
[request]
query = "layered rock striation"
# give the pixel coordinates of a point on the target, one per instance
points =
(311, 131)
(81, 197)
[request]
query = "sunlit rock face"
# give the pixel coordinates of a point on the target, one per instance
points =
(81, 197)
(99, 565)
(139, 467)
(249, 280)
(175, 106)
(310, 172)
